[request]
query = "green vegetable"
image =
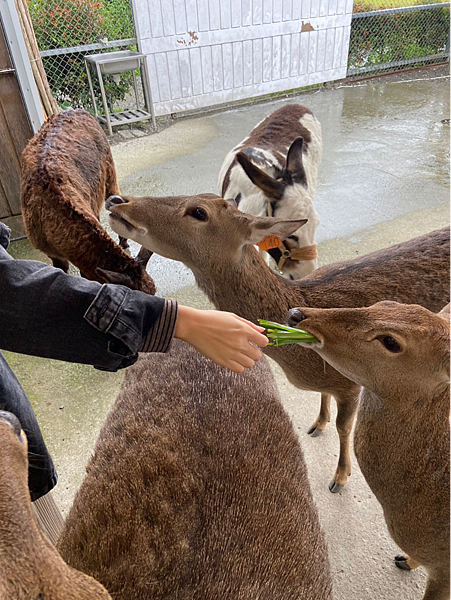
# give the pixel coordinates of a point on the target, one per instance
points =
(280, 335)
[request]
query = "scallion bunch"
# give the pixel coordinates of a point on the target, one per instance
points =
(281, 335)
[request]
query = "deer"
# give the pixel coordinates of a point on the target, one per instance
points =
(30, 566)
(274, 172)
(399, 354)
(67, 173)
(216, 241)
(197, 488)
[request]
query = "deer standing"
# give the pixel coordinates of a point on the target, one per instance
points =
(400, 355)
(274, 172)
(30, 566)
(198, 489)
(216, 241)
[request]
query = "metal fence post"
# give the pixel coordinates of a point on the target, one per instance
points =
(448, 50)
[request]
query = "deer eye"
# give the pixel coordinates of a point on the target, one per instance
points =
(200, 214)
(391, 344)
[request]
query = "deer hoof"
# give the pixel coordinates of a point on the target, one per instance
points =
(401, 562)
(314, 431)
(335, 487)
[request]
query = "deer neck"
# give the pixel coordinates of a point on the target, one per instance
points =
(403, 451)
(247, 287)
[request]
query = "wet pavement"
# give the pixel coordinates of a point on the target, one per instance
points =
(384, 178)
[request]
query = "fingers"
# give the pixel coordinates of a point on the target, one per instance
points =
(258, 338)
(253, 325)
(234, 366)
(252, 352)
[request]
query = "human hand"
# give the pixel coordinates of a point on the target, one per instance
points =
(221, 336)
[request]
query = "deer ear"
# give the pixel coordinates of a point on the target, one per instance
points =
(446, 314)
(231, 202)
(271, 187)
(445, 311)
(295, 165)
(274, 227)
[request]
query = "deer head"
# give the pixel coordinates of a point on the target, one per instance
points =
(192, 228)
(386, 347)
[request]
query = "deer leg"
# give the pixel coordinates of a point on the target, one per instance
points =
(60, 263)
(123, 242)
(406, 563)
(437, 587)
(346, 411)
(143, 256)
(323, 418)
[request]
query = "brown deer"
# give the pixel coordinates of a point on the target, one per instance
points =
(273, 172)
(400, 354)
(198, 488)
(30, 566)
(216, 241)
(67, 173)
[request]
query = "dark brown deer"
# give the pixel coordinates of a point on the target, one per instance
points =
(400, 355)
(216, 241)
(274, 172)
(67, 173)
(30, 566)
(198, 489)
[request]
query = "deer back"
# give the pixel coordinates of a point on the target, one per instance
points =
(196, 485)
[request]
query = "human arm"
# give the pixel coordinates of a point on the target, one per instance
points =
(224, 337)
(44, 312)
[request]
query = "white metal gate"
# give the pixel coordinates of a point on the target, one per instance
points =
(207, 52)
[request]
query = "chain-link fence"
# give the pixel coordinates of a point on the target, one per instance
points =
(387, 35)
(66, 31)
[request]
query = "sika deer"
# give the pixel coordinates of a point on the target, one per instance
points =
(400, 355)
(273, 172)
(30, 566)
(198, 489)
(67, 173)
(216, 242)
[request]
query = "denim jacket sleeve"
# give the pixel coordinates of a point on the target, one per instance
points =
(44, 312)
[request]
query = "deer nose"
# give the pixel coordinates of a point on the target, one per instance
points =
(112, 200)
(11, 420)
(295, 316)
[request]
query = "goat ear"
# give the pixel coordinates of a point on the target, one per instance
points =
(266, 227)
(271, 187)
(114, 277)
(295, 165)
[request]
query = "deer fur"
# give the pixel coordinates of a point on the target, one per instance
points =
(400, 354)
(30, 566)
(216, 242)
(274, 172)
(198, 488)
(67, 173)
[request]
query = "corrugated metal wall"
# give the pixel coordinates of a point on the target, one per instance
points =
(206, 52)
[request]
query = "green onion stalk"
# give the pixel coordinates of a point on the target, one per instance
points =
(281, 335)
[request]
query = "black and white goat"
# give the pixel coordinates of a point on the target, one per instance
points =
(274, 172)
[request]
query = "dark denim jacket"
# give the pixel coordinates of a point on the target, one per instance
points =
(45, 312)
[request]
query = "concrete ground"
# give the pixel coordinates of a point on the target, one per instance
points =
(384, 178)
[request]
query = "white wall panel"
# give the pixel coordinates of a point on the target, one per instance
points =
(206, 52)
